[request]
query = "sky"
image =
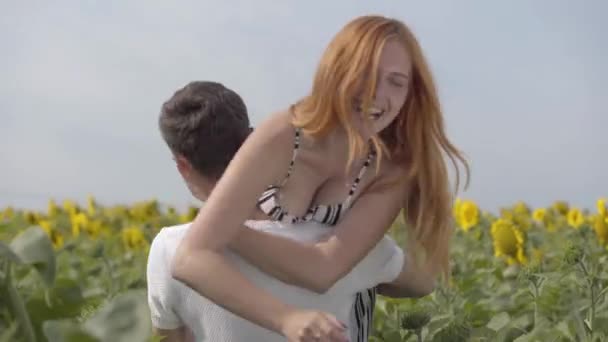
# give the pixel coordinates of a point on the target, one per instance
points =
(522, 84)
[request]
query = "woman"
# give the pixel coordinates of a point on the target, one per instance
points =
(366, 143)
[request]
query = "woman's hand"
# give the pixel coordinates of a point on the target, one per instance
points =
(313, 326)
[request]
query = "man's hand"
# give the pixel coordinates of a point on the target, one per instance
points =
(181, 334)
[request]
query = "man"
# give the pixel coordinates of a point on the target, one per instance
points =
(204, 124)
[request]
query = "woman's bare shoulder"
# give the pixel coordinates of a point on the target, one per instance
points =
(389, 175)
(271, 144)
(277, 128)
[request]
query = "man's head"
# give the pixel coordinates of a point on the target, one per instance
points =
(204, 125)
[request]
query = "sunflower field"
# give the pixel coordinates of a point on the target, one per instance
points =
(77, 273)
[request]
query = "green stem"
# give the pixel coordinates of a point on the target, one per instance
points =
(592, 291)
(535, 305)
(18, 307)
(592, 314)
(110, 275)
(419, 334)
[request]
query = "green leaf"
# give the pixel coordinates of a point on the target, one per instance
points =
(9, 334)
(64, 300)
(477, 313)
(499, 321)
(524, 321)
(563, 328)
(392, 336)
(6, 252)
(483, 334)
(17, 307)
(34, 247)
(161, 338)
(456, 331)
(510, 272)
(65, 331)
(126, 318)
(439, 322)
(603, 292)
(98, 250)
(601, 325)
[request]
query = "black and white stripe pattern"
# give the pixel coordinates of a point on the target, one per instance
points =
(326, 214)
(362, 315)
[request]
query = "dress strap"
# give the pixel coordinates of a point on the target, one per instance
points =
(357, 180)
(296, 147)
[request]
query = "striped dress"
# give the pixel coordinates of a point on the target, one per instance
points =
(362, 312)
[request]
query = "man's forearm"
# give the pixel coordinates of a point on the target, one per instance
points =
(180, 334)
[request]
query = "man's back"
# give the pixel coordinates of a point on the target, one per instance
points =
(173, 304)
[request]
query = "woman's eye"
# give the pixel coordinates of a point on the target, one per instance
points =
(397, 83)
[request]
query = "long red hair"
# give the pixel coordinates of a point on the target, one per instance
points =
(416, 139)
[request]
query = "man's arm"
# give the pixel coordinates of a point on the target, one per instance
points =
(160, 293)
(174, 335)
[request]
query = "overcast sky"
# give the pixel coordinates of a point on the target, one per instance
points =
(523, 85)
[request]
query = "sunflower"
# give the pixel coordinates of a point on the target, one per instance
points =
(133, 238)
(55, 236)
(79, 223)
(94, 228)
(91, 205)
(521, 209)
(52, 209)
(601, 207)
(561, 207)
(7, 213)
(575, 218)
(508, 241)
(600, 226)
(539, 215)
(467, 215)
(70, 207)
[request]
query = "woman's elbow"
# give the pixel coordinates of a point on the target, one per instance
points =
(179, 266)
(424, 290)
(415, 290)
(318, 287)
(324, 281)
(176, 268)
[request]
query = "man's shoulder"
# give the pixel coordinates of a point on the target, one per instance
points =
(168, 237)
(173, 231)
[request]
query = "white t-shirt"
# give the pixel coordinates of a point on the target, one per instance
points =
(173, 304)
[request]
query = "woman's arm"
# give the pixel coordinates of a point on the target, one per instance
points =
(319, 266)
(414, 280)
(199, 261)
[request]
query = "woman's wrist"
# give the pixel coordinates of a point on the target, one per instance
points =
(282, 318)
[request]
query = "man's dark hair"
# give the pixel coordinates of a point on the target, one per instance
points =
(206, 123)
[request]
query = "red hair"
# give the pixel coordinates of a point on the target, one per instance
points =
(415, 140)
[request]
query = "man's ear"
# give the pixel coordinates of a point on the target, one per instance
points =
(183, 165)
